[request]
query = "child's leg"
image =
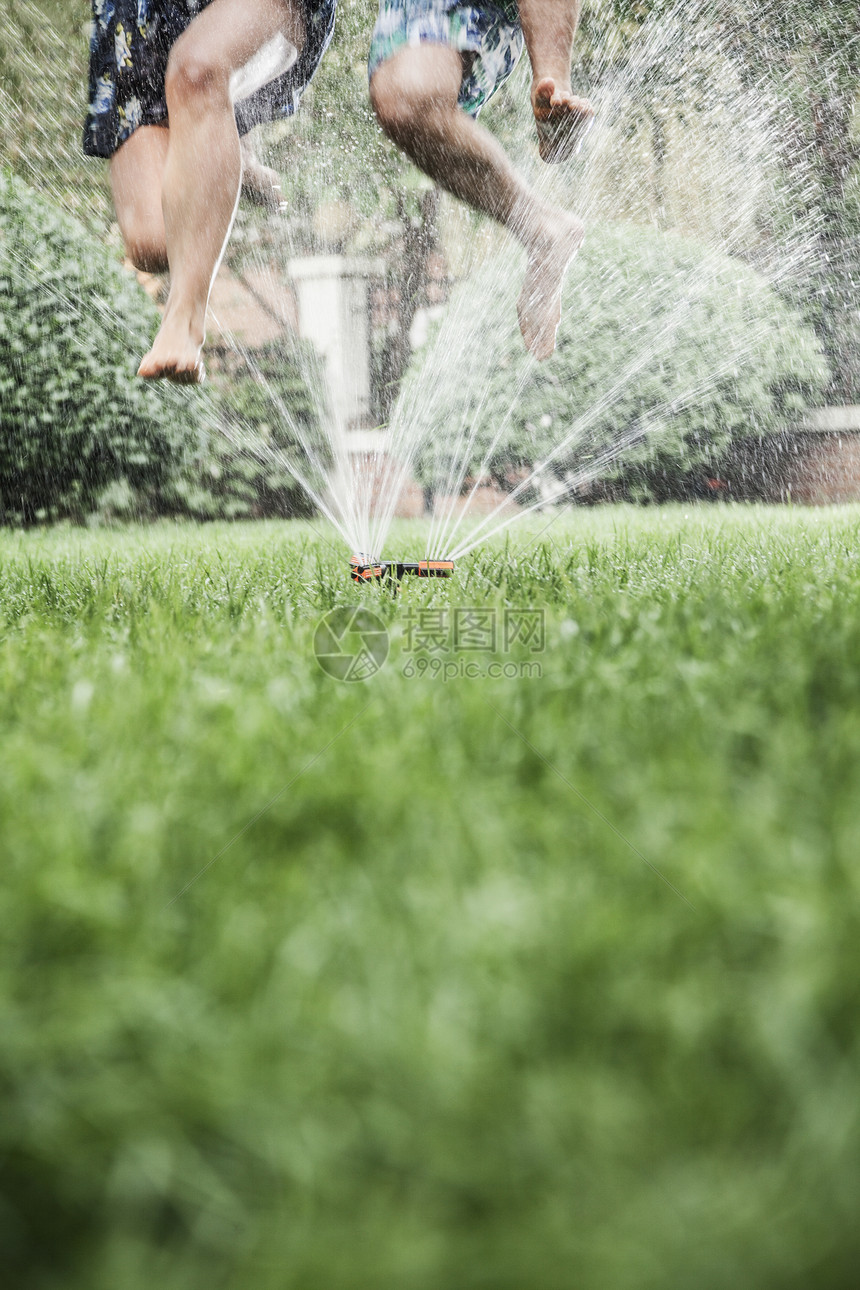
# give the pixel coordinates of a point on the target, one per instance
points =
(414, 94)
(203, 167)
(549, 27)
(136, 175)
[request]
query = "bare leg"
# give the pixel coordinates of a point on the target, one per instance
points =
(415, 98)
(136, 176)
(562, 119)
(203, 167)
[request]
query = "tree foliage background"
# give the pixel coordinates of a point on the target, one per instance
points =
(806, 58)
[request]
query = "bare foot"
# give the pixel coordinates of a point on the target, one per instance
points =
(175, 356)
(260, 184)
(562, 120)
(539, 305)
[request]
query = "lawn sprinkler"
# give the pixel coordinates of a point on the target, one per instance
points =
(365, 569)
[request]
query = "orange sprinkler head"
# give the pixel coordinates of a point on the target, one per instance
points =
(363, 569)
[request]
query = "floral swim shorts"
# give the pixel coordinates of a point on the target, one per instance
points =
(490, 31)
(130, 44)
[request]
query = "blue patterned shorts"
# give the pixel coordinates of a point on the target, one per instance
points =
(491, 32)
(130, 44)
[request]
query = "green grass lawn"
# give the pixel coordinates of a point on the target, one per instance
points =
(427, 984)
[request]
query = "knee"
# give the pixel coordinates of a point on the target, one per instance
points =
(406, 109)
(146, 250)
(194, 77)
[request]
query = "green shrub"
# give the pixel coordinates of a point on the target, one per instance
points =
(667, 352)
(76, 429)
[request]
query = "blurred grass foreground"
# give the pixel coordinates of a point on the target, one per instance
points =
(406, 984)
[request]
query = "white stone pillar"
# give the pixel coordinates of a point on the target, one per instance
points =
(333, 314)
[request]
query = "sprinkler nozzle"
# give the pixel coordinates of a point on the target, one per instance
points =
(364, 569)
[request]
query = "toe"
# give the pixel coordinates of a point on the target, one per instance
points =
(195, 375)
(543, 92)
(543, 346)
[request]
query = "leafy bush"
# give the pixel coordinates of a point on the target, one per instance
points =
(76, 428)
(667, 352)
